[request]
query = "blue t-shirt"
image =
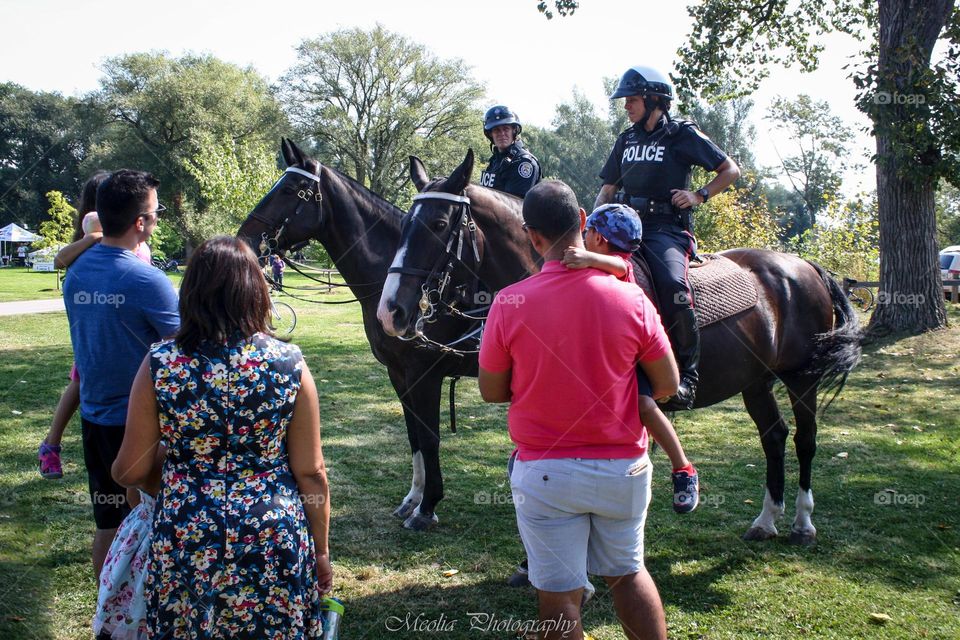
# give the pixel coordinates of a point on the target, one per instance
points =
(117, 306)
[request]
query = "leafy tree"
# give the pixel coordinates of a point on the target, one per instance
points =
(575, 149)
(43, 141)
(815, 172)
(948, 215)
(911, 99)
(846, 243)
(58, 230)
(165, 111)
(788, 209)
(727, 123)
(735, 218)
(231, 177)
(563, 7)
(166, 242)
(371, 98)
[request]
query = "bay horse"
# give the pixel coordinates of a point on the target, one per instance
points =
(802, 331)
(361, 231)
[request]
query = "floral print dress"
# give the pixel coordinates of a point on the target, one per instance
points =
(121, 610)
(232, 555)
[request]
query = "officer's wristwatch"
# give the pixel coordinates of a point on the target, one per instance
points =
(703, 193)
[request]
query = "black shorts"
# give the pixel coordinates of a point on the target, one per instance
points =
(101, 443)
(644, 387)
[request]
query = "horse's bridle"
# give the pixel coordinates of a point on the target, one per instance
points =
(438, 278)
(267, 242)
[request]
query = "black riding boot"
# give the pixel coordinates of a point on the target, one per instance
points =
(685, 336)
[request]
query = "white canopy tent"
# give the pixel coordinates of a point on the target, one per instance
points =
(14, 233)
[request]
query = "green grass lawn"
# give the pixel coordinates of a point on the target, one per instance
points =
(896, 422)
(19, 283)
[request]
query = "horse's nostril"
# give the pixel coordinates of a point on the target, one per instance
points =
(399, 315)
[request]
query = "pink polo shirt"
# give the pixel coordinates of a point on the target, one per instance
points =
(572, 338)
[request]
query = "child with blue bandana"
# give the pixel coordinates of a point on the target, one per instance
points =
(612, 233)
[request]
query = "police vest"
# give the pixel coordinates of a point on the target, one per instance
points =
(650, 164)
(514, 171)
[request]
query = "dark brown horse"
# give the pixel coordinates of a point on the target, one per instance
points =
(361, 231)
(802, 331)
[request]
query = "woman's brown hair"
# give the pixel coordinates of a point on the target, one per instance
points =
(88, 201)
(223, 293)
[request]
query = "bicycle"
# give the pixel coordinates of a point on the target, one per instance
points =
(283, 319)
(861, 297)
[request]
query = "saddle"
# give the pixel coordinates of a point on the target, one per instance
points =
(720, 287)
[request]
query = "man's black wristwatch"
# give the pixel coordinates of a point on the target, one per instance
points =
(703, 193)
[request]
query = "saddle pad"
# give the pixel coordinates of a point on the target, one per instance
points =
(720, 289)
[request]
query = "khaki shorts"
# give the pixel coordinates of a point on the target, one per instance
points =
(578, 516)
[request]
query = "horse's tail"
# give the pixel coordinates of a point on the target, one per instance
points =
(837, 351)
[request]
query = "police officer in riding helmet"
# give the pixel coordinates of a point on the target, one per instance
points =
(649, 169)
(512, 168)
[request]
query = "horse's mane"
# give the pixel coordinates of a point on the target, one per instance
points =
(373, 197)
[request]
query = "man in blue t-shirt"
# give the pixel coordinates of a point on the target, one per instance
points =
(117, 306)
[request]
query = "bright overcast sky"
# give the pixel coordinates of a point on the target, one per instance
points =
(525, 61)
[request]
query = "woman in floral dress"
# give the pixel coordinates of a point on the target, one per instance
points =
(240, 535)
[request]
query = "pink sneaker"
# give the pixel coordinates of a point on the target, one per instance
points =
(50, 466)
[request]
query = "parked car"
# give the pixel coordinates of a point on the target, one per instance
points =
(950, 266)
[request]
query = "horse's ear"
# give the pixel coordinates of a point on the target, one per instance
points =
(287, 149)
(418, 173)
(301, 157)
(460, 177)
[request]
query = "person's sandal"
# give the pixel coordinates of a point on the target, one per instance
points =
(686, 491)
(50, 466)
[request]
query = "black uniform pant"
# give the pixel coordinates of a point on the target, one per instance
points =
(668, 249)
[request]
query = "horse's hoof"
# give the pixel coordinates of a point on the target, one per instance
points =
(419, 522)
(757, 534)
(404, 510)
(803, 538)
(519, 579)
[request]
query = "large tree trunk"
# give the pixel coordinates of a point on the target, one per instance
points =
(911, 296)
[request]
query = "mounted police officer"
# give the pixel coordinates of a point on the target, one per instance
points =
(512, 169)
(649, 169)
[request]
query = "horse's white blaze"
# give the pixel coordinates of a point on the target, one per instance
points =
(390, 286)
(767, 520)
(418, 482)
(802, 523)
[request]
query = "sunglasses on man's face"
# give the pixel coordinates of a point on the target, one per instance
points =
(160, 209)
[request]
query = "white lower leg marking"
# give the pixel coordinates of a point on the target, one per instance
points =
(767, 520)
(802, 523)
(418, 482)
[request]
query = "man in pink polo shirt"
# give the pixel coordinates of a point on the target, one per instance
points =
(561, 347)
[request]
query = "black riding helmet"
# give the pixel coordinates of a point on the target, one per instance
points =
(499, 115)
(638, 81)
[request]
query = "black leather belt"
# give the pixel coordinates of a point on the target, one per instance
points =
(657, 211)
(650, 207)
